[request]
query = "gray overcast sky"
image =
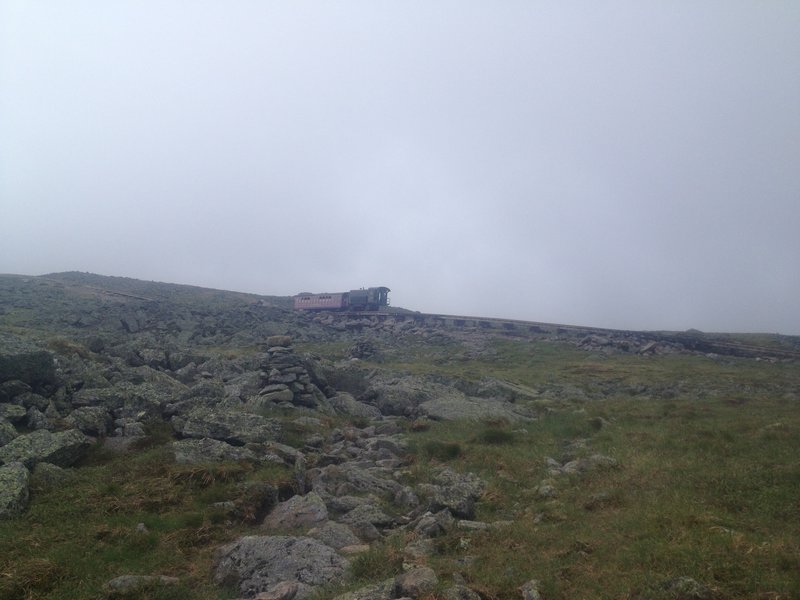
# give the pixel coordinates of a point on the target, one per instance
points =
(621, 164)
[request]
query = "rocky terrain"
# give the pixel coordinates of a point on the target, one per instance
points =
(93, 364)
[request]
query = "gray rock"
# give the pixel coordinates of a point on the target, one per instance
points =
(530, 590)
(277, 342)
(454, 408)
(11, 389)
(415, 582)
(13, 412)
(265, 399)
(7, 432)
(206, 450)
(367, 513)
(350, 479)
(14, 478)
(285, 590)
(63, 448)
(457, 492)
(686, 588)
(30, 400)
(91, 420)
(460, 592)
(46, 476)
(377, 591)
(37, 420)
(297, 513)
(345, 404)
(258, 563)
(595, 462)
(35, 367)
(335, 535)
(124, 585)
(432, 525)
(229, 426)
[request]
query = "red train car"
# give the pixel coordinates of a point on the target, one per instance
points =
(373, 298)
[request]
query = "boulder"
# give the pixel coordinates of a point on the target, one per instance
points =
(415, 583)
(207, 450)
(14, 479)
(256, 564)
(63, 448)
(686, 588)
(298, 512)
(13, 412)
(530, 590)
(460, 592)
(377, 591)
(344, 403)
(335, 535)
(11, 389)
(454, 408)
(367, 513)
(37, 420)
(456, 492)
(46, 476)
(91, 420)
(35, 367)
(283, 341)
(229, 426)
(7, 432)
(285, 590)
(127, 585)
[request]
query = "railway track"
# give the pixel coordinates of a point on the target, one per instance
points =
(699, 342)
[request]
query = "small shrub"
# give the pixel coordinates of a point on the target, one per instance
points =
(442, 451)
(496, 437)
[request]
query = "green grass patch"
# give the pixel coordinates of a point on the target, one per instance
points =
(74, 538)
(706, 488)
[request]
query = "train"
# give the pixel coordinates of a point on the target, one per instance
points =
(369, 299)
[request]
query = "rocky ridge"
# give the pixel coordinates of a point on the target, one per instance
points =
(120, 362)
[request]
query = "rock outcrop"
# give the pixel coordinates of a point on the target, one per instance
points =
(256, 564)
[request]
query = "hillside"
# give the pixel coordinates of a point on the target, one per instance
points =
(165, 441)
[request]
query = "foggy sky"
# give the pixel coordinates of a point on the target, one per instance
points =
(617, 164)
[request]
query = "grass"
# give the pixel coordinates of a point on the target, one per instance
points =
(74, 538)
(705, 490)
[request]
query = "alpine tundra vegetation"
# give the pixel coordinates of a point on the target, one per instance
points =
(161, 441)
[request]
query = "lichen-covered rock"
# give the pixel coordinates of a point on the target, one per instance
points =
(13, 412)
(460, 592)
(456, 492)
(367, 513)
(415, 582)
(335, 535)
(91, 420)
(46, 476)
(35, 367)
(377, 591)
(230, 426)
(63, 448)
(530, 590)
(298, 512)
(125, 585)
(11, 389)
(7, 432)
(206, 450)
(456, 408)
(283, 341)
(345, 404)
(14, 479)
(686, 588)
(258, 563)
